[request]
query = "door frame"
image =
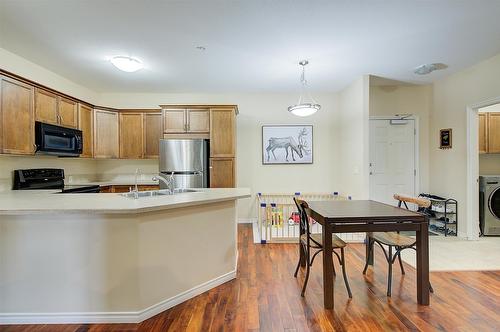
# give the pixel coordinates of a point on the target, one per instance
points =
(416, 146)
(472, 204)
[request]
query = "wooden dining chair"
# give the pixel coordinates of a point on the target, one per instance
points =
(310, 242)
(394, 240)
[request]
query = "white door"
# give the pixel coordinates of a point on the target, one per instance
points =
(392, 159)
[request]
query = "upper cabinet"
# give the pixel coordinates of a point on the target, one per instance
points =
(68, 113)
(46, 106)
(86, 125)
(54, 109)
(131, 135)
(16, 117)
(106, 134)
(222, 132)
(483, 133)
(493, 133)
(186, 121)
(153, 132)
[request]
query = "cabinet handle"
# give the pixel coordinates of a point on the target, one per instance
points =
(60, 119)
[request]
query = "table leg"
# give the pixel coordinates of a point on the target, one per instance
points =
(423, 263)
(327, 266)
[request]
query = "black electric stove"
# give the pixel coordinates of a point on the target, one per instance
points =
(47, 178)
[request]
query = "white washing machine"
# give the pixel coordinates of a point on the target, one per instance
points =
(489, 204)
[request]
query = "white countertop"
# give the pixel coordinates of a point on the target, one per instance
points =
(16, 202)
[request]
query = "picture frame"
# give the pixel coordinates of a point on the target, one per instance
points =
(287, 144)
(445, 138)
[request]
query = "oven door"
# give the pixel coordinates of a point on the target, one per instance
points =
(56, 140)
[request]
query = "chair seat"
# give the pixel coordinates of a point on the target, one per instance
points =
(393, 239)
(336, 241)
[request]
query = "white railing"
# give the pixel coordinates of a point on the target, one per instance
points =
(278, 218)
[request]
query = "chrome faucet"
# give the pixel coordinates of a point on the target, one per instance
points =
(136, 188)
(169, 182)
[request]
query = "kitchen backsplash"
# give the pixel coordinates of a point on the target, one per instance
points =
(78, 170)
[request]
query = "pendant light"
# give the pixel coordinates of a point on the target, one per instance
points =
(306, 106)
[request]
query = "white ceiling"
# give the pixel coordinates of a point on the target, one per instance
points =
(252, 45)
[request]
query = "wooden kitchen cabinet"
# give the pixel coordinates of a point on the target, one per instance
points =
(222, 173)
(68, 113)
(106, 134)
(131, 135)
(16, 117)
(493, 133)
(46, 107)
(483, 133)
(153, 132)
(54, 109)
(86, 125)
(128, 187)
(222, 133)
(198, 121)
(174, 121)
(186, 121)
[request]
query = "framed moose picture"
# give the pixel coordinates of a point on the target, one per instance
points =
(445, 138)
(287, 144)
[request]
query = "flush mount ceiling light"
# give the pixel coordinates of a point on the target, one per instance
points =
(306, 106)
(429, 68)
(126, 63)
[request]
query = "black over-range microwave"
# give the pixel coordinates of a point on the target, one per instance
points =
(57, 140)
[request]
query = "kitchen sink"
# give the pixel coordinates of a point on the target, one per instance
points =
(153, 193)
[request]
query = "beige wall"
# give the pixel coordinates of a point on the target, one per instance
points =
(407, 99)
(489, 164)
(27, 69)
(77, 168)
(257, 110)
(350, 152)
(452, 95)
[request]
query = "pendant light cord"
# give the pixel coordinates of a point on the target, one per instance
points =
(303, 82)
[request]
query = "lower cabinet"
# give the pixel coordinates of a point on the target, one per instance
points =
(16, 117)
(222, 173)
(128, 187)
(106, 134)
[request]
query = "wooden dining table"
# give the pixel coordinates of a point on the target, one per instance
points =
(352, 216)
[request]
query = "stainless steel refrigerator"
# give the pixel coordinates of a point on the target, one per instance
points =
(187, 159)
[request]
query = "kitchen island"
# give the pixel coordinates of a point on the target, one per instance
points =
(108, 258)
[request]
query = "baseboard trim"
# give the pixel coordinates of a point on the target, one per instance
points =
(114, 317)
(246, 220)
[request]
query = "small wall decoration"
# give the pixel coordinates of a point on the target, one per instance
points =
(287, 144)
(445, 138)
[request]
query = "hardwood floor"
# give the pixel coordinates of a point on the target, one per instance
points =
(266, 297)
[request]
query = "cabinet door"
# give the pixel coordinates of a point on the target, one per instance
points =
(16, 117)
(174, 121)
(493, 132)
(222, 174)
(483, 132)
(85, 124)
(106, 135)
(153, 132)
(46, 106)
(131, 135)
(68, 113)
(198, 121)
(222, 133)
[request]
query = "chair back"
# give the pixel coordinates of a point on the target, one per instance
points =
(421, 202)
(302, 206)
(304, 222)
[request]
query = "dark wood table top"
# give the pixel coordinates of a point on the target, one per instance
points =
(362, 211)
